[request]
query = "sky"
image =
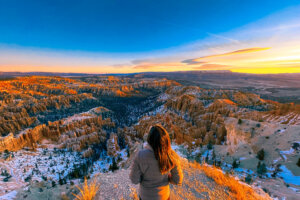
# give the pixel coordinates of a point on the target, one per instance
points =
(117, 36)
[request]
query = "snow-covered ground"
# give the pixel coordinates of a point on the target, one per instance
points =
(43, 164)
(288, 176)
(285, 173)
(102, 165)
(291, 118)
(47, 165)
(9, 196)
(50, 163)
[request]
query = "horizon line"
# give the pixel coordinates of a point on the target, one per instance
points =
(131, 73)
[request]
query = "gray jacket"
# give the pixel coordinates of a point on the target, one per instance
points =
(153, 185)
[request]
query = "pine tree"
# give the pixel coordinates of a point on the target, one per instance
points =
(114, 165)
(261, 168)
(213, 155)
(240, 121)
(248, 179)
(60, 181)
(261, 154)
(53, 184)
(128, 153)
(235, 164)
(209, 145)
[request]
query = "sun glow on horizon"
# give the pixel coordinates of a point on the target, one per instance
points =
(268, 70)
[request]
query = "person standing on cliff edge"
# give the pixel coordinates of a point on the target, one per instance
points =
(156, 166)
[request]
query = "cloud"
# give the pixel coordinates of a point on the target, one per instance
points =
(192, 62)
(212, 66)
(224, 38)
(144, 66)
(169, 66)
(240, 51)
(120, 65)
(139, 61)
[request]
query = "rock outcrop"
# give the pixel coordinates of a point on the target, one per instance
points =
(112, 145)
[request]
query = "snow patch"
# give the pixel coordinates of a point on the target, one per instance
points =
(288, 176)
(9, 196)
(288, 151)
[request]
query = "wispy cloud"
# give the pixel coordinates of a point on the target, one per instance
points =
(211, 67)
(168, 66)
(224, 38)
(200, 60)
(240, 51)
(144, 66)
(193, 62)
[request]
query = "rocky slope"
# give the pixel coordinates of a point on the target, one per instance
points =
(97, 121)
(200, 182)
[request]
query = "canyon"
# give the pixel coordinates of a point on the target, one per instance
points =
(66, 128)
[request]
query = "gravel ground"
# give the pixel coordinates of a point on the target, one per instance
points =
(116, 186)
(196, 185)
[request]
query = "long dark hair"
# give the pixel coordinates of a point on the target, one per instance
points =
(159, 140)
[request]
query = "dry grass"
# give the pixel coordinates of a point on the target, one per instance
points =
(237, 190)
(196, 185)
(134, 195)
(88, 191)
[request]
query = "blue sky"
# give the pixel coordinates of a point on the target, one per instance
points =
(123, 32)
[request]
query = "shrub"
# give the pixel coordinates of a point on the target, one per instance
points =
(128, 153)
(261, 168)
(209, 145)
(206, 158)
(235, 164)
(4, 173)
(296, 146)
(261, 154)
(53, 184)
(44, 178)
(240, 121)
(236, 189)
(27, 179)
(213, 155)
(276, 171)
(87, 192)
(60, 181)
(248, 179)
(6, 179)
(114, 165)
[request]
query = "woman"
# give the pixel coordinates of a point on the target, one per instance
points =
(156, 166)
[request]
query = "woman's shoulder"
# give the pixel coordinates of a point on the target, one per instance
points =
(145, 156)
(145, 153)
